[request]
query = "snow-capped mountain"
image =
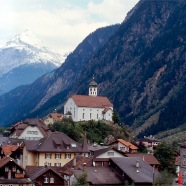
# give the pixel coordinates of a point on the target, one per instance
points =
(23, 59)
(26, 48)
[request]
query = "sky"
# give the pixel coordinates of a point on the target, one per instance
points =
(60, 24)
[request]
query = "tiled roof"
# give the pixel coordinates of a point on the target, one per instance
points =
(127, 144)
(91, 101)
(56, 116)
(8, 149)
(149, 158)
(80, 161)
(15, 181)
(6, 159)
(21, 126)
(148, 139)
(48, 144)
(100, 176)
(142, 174)
(35, 171)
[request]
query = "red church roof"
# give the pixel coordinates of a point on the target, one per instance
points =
(91, 101)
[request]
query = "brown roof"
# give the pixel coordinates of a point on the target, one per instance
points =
(149, 158)
(100, 176)
(142, 174)
(8, 149)
(35, 171)
(56, 116)
(91, 101)
(127, 144)
(80, 161)
(7, 159)
(54, 142)
(21, 126)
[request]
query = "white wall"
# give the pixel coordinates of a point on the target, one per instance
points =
(106, 155)
(31, 133)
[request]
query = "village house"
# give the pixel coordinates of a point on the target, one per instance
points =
(149, 142)
(44, 175)
(54, 150)
(51, 118)
(12, 174)
(91, 107)
(30, 129)
(124, 146)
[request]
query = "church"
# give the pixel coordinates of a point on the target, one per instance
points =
(89, 107)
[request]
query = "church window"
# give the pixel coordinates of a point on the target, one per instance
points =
(97, 116)
(90, 115)
(83, 115)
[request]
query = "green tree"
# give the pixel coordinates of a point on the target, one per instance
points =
(115, 117)
(165, 154)
(82, 180)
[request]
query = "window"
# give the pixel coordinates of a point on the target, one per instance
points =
(90, 115)
(48, 164)
(83, 116)
(28, 132)
(57, 164)
(6, 169)
(14, 169)
(67, 156)
(47, 156)
(110, 153)
(51, 180)
(57, 156)
(45, 180)
(73, 145)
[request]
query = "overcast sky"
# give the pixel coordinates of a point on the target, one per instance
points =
(60, 24)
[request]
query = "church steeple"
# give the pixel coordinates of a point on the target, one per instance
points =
(93, 88)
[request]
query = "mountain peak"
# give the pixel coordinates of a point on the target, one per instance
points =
(25, 38)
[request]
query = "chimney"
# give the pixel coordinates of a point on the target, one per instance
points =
(137, 164)
(74, 161)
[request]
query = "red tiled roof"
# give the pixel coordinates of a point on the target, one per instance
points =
(8, 149)
(56, 116)
(91, 101)
(128, 144)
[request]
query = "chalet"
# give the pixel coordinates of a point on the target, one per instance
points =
(44, 175)
(91, 107)
(124, 146)
(54, 150)
(149, 142)
(52, 118)
(12, 173)
(30, 129)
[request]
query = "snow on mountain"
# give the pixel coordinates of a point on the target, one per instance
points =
(26, 48)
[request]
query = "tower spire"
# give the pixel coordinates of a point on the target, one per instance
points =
(93, 88)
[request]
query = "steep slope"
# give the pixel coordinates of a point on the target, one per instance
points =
(23, 59)
(142, 69)
(31, 98)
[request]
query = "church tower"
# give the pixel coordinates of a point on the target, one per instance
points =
(93, 88)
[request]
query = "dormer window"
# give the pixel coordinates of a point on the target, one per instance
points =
(73, 145)
(14, 169)
(68, 147)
